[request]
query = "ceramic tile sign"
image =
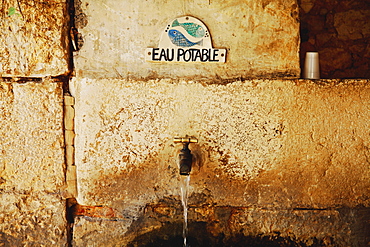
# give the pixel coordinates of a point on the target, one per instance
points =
(186, 39)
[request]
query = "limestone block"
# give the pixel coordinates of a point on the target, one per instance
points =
(31, 136)
(263, 142)
(262, 38)
(124, 131)
(34, 219)
(34, 38)
(326, 154)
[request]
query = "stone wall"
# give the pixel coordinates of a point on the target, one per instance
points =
(279, 160)
(34, 53)
(262, 38)
(340, 32)
(268, 149)
(247, 132)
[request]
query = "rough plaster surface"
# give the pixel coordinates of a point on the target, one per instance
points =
(262, 38)
(32, 211)
(325, 162)
(126, 128)
(34, 41)
(268, 142)
(275, 145)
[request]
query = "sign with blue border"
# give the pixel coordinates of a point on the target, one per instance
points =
(186, 39)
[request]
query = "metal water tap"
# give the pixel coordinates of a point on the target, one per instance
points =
(185, 156)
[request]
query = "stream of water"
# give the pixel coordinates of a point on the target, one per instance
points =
(184, 187)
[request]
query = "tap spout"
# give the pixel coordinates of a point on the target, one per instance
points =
(185, 156)
(185, 159)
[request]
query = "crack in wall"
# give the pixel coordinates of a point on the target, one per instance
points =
(70, 169)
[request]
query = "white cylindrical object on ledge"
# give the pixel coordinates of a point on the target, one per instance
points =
(311, 66)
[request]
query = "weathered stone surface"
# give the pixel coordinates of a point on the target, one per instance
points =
(125, 130)
(32, 212)
(99, 232)
(31, 144)
(280, 144)
(34, 40)
(262, 38)
(32, 219)
(326, 159)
